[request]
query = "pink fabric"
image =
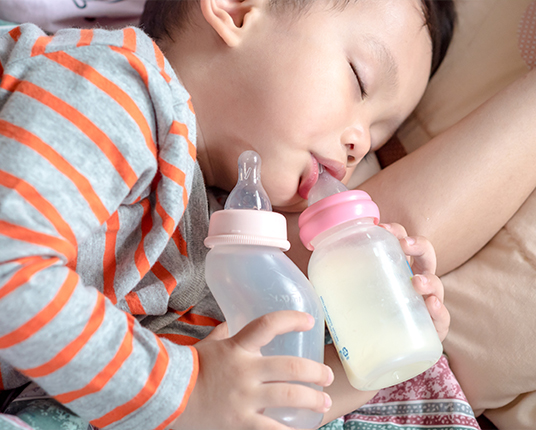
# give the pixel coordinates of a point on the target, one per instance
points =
(527, 35)
(432, 399)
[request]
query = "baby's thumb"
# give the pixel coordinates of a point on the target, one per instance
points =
(220, 332)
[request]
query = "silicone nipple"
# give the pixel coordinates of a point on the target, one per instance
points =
(325, 186)
(248, 192)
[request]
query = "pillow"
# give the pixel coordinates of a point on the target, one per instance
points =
(51, 15)
(492, 297)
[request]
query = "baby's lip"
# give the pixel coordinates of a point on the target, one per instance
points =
(309, 180)
(334, 168)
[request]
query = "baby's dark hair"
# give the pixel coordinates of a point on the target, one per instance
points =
(161, 18)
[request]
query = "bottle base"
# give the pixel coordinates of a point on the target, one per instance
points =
(392, 375)
(295, 418)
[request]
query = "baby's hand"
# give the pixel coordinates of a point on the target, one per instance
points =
(422, 258)
(236, 383)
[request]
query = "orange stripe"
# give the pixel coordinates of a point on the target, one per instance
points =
(40, 45)
(181, 130)
(200, 320)
(25, 273)
(104, 376)
(179, 339)
(140, 258)
(135, 63)
(70, 351)
(182, 246)
(176, 175)
(181, 313)
(86, 36)
(111, 89)
(83, 123)
(187, 392)
(168, 223)
(164, 276)
(134, 303)
(110, 263)
(32, 196)
(42, 318)
(84, 186)
(151, 386)
(15, 34)
(160, 61)
(191, 106)
(129, 39)
(172, 172)
(31, 236)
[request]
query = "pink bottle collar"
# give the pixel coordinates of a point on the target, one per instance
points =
(335, 210)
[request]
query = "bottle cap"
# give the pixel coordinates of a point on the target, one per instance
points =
(335, 210)
(248, 218)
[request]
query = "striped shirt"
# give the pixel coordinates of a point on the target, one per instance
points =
(103, 212)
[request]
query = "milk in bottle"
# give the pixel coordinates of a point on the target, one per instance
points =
(381, 327)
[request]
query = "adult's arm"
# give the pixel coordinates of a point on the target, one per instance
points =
(460, 188)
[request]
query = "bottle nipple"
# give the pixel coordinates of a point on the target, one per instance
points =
(325, 186)
(248, 192)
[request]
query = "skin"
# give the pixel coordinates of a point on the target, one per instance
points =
(285, 87)
(492, 149)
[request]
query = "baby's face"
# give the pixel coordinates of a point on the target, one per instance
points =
(325, 88)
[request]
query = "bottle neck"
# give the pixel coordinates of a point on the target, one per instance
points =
(357, 222)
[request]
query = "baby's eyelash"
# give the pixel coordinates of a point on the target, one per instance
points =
(359, 81)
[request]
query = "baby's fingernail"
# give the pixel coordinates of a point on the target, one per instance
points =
(437, 302)
(410, 240)
(327, 402)
(331, 376)
(423, 279)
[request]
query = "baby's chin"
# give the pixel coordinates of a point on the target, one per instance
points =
(291, 207)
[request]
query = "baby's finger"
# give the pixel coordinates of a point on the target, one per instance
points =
(219, 332)
(422, 252)
(428, 284)
(396, 229)
(278, 395)
(262, 330)
(286, 368)
(440, 316)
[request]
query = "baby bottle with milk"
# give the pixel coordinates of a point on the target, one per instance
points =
(380, 326)
(249, 276)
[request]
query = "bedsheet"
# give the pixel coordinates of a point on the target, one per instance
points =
(433, 399)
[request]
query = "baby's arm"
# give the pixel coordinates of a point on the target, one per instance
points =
(460, 188)
(236, 383)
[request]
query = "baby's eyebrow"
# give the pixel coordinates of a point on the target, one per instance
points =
(385, 58)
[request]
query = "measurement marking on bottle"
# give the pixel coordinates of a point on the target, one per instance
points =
(286, 298)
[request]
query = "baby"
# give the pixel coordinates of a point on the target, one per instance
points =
(108, 145)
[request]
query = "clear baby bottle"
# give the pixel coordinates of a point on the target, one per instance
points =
(380, 326)
(250, 276)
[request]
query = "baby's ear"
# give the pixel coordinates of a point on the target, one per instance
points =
(230, 17)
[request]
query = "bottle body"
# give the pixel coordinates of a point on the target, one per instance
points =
(379, 324)
(249, 281)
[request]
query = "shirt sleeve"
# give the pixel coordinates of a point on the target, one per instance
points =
(79, 136)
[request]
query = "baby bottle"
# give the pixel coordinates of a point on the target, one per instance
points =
(250, 276)
(380, 326)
